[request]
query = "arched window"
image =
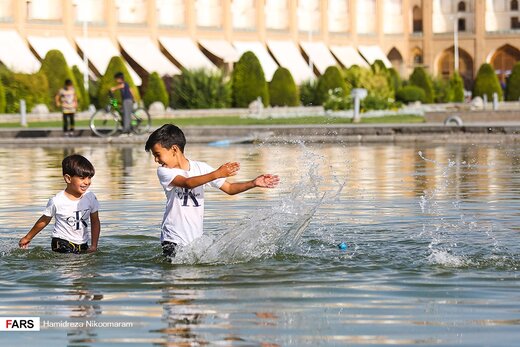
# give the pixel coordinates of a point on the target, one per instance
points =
(461, 7)
(417, 59)
(417, 19)
(514, 5)
(461, 24)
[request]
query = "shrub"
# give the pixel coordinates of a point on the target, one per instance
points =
(81, 92)
(200, 89)
(457, 88)
(421, 79)
(115, 65)
(374, 102)
(2, 97)
(487, 83)
(376, 83)
(513, 84)
(441, 90)
(282, 89)
(308, 92)
(330, 80)
(337, 100)
(55, 68)
(410, 94)
(379, 67)
(33, 88)
(248, 81)
(155, 91)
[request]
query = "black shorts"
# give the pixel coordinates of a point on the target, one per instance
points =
(169, 249)
(64, 246)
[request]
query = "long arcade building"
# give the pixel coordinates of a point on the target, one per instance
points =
(306, 36)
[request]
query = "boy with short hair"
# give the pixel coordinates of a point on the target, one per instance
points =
(128, 99)
(183, 181)
(73, 208)
(68, 101)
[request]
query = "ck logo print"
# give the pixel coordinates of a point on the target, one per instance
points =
(79, 220)
(187, 195)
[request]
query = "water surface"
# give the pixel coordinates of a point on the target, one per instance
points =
(432, 259)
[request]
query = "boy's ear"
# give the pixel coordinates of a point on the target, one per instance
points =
(67, 178)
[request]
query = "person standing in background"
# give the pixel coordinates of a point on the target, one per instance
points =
(68, 101)
(128, 99)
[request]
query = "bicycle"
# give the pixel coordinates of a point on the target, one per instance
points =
(107, 121)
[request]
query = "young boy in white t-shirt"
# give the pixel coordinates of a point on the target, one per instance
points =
(75, 210)
(184, 181)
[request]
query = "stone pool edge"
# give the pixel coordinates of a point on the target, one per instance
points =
(362, 133)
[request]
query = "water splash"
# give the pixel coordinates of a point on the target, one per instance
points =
(269, 230)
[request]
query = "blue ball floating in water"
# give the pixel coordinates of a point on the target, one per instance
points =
(343, 246)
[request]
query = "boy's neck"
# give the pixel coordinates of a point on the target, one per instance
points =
(72, 194)
(184, 163)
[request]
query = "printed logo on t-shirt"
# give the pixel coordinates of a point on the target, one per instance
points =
(79, 219)
(188, 195)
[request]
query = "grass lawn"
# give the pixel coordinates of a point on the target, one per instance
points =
(235, 120)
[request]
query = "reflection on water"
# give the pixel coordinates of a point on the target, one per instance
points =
(432, 252)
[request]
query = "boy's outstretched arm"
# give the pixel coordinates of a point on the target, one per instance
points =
(262, 181)
(226, 170)
(95, 229)
(38, 226)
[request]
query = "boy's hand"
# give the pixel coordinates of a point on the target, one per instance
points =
(91, 249)
(266, 181)
(228, 169)
(24, 242)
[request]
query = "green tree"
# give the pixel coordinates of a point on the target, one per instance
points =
(55, 68)
(308, 92)
(155, 91)
(487, 82)
(200, 88)
(115, 65)
(421, 79)
(81, 92)
(457, 88)
(394, 79)
(2, 97)
(282, 89)
(330, 81)
(33, 88)
(248, 81)
(376, 83)
(513, 84)
(442, 90)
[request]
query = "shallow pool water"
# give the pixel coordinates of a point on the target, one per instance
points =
(432, 258)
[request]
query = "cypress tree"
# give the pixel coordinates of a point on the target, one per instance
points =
(155, 91)
(248, 81)
(421, 79)
(282, 89)
(513, 84)
(487, 82)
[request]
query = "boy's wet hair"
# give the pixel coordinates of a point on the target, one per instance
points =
(68, 82)
(77, 165)
(167, 136)
(119, 75)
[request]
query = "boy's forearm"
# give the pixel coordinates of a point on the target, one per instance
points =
(196, 181)
(239, 187)
(37, 227)
(96, 230)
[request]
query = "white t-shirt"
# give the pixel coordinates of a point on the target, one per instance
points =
(184, 215)
(72, 217)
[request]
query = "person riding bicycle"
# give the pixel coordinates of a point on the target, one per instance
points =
(128, 99)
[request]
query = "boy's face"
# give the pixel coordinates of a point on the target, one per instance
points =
(166, 157)
(77, 185)
(119, 80)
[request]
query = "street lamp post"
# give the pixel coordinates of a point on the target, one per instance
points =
(311, 67)
(456, 43)
(85, 54)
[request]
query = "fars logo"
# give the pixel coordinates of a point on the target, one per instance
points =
(19, 323)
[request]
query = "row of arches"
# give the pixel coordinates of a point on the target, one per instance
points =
(503, 60)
